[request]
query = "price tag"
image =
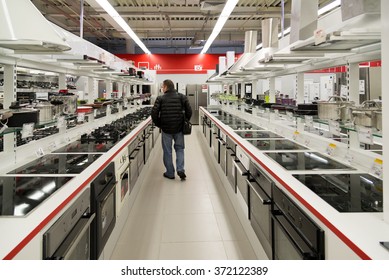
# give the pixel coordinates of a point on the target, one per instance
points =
(308, 121)
(377, 167)
(295, 134)
(40, 152)
(365, 135)
(331, 149)
(27, 130)
(61, 122)
(334, 127)
(80, 117)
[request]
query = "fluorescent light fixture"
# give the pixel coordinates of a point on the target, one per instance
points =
(119, 20)
(227, 10)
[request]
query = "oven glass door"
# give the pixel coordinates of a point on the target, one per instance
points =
(287, 243)
(124, 183)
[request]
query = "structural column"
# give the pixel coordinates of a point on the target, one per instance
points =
(9, 85)
(299, 88)
(91, 93)
(62, 81)
(108, 87)
(272, 90)
(353, 82)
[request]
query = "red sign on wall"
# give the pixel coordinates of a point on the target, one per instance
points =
(175, 63)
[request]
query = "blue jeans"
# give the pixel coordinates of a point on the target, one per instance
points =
(179, 146)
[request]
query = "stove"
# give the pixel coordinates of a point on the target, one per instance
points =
(57, 164)
(308, 161)
(19, 195)
(276, 144)
(347, 192)
(258, 134)
(91, 147)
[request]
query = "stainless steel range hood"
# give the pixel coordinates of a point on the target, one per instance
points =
(24, 28)
(250, 43)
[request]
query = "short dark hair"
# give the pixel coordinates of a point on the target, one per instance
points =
(169, 84)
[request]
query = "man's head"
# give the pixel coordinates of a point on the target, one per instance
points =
(167, 85)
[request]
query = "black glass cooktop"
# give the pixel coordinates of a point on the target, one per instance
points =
(258, 134)
(276, 144)
(19, 195)
(91, 147)
(58, 164)
(346, 192)
(306, 161)
(244, 126)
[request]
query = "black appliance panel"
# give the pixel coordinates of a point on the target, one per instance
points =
(347, 192)
(57, 164)
(20, 195)
(258, 134)
(91, 147)
(276, 144)
(306, 161)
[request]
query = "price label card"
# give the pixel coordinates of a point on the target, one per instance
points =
(365, 135)
(331, 149)
(377, 168)
(39, 152)
(308, 121)
(27, 130)
(61, 122)
(80, 117)
(334, 127)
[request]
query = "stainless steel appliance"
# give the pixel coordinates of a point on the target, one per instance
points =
(69, 237)
(197, 96)
(260, 206)
(230, 163)
(310, 161)
(207, 130)
(148, 140)
(215, 141)
(241, 163)
(19, 195)
(222, 150)
(295, 235)
(103, 204)
(347, 192)
(122, 168)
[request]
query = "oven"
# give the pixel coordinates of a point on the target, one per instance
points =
(295, 235)
(230, 163)
(133, 157)
(260, 206)
(69, 237)
(103, 204)
(148, 142)
(223, 150)
(215, 142)
(241, 174)
(122, 168)
(207, 130)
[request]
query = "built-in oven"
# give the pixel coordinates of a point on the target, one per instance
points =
(148, 142)
(133, 157)
(230, 163)
(103, 204)
(223, 150)
(69, 237)
(215, 141)
(122, 168)
(242, 163)
(207, 130)
(260, 206)
(295, 235)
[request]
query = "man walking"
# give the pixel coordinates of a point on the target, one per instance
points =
(168, 114)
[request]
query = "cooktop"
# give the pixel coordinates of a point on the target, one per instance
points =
(57, 164)
(91, 147)
(346, 192)
(276, 144)
(19, 195)
(306, 161)
(257, 134)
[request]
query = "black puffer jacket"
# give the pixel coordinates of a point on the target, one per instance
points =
(167, 111)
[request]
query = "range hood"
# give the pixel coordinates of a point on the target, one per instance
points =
(24, 28)
(250, 43)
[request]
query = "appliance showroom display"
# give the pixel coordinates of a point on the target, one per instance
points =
(275, 144)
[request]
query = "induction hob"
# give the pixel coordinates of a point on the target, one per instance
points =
(346, 192)
(58, 164)
(275, 144)
(91, 147)
(19, 195)
(258, 134)
(307, 161)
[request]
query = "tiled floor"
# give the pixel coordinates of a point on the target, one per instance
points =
(192, 219)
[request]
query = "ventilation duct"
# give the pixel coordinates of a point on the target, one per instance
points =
(24, 28)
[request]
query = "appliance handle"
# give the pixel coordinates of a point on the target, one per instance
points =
(79, 235)
(258, 191)
(240, 168)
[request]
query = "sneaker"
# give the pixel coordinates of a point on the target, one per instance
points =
(169, 177)
(181, 174)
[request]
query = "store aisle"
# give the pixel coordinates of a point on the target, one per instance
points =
(192, 219)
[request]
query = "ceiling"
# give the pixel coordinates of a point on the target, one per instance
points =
(165, 26)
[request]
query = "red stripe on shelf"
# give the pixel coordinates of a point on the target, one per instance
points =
(328, 224)
(51, 216)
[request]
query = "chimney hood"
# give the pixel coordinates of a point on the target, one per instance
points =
(250, 43)
(24, 28)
